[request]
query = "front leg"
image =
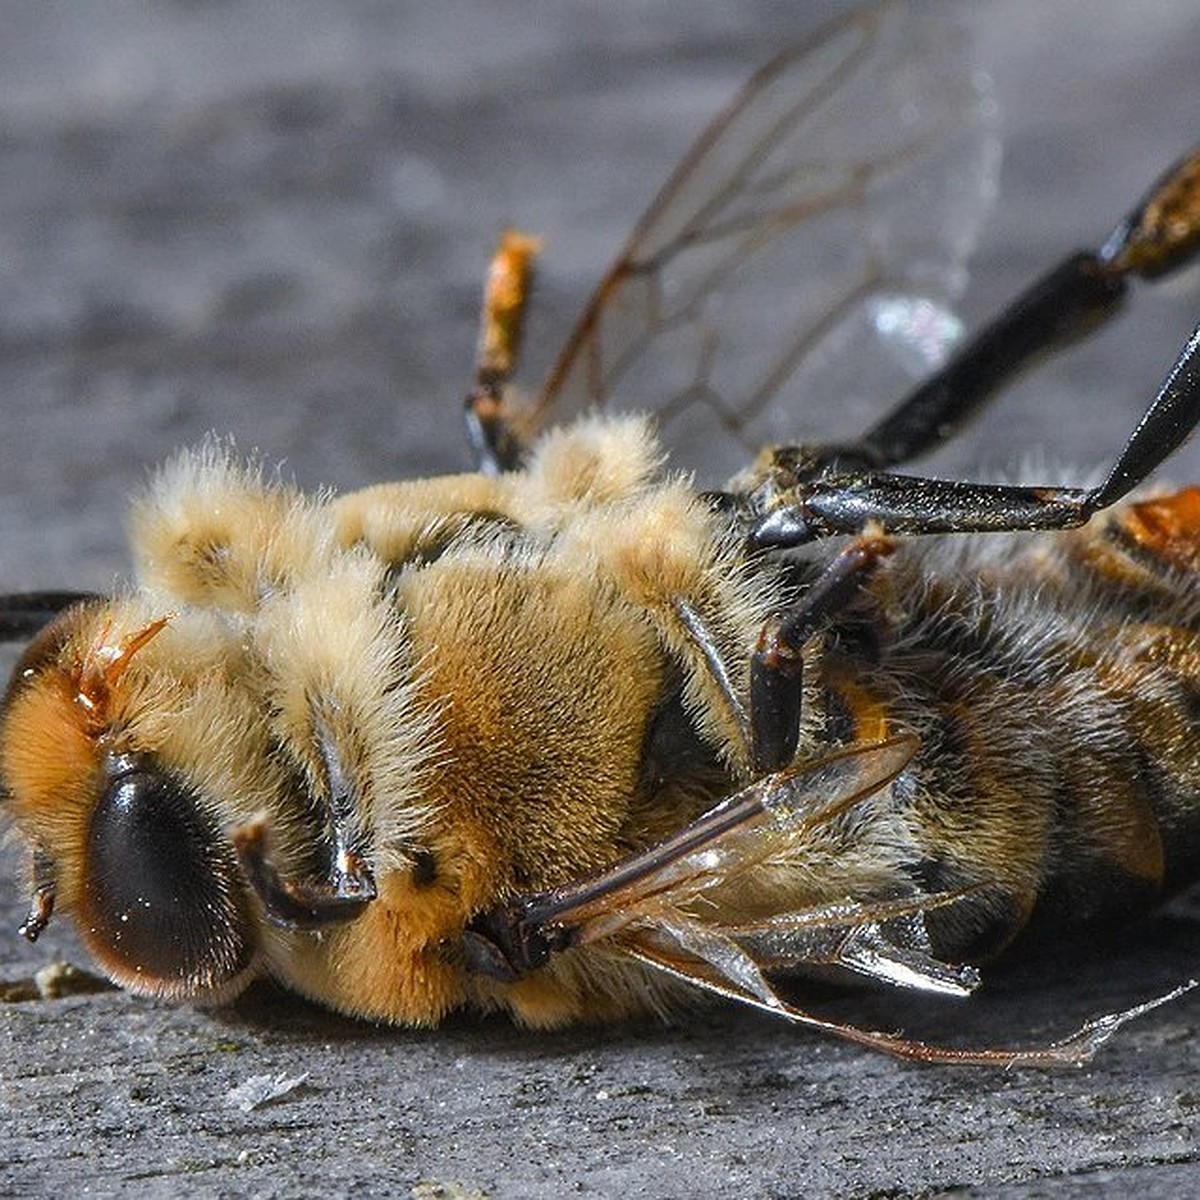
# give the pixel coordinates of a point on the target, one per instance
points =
(341, 894)
(352, 736)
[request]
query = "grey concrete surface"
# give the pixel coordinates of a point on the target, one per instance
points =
(270, 220)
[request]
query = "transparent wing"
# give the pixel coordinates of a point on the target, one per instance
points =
(655, 894)
(804, 254)
(690, 881)
(656, 907)
(706, 959)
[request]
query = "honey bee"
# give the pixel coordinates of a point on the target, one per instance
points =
(571, 738)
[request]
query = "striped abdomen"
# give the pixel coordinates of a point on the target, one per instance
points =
(1055, 683)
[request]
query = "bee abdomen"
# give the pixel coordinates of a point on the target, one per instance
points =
(1145, 564)
(1058, 702)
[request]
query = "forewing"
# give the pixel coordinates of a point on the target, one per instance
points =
(652, 908)
(704, 959)
(763, 821)
(803, 255)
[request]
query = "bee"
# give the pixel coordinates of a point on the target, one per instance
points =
(570, 738)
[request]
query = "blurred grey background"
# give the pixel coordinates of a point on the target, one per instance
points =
(271, 220)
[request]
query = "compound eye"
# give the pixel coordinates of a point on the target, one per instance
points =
(163, 905)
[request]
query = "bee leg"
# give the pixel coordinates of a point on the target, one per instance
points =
(293, 905)
(715, 667)
(347, 885)
(348, 875)
(493, 443)
(776, 669)
(904, 504)
(512, 939)
(1160, 236)
(41, 903)
(490, 432)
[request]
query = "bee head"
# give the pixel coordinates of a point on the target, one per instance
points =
(121, 840)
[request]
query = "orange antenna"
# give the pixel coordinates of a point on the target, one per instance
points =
(105, 663)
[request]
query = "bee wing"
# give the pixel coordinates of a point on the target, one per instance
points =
(706, 959)
(885, 940)
(833, 204)
(645, 908)
(746, 829)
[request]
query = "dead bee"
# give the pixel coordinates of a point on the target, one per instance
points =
(567, 737)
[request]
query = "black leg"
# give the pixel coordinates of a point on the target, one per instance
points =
(776, 669)
(347, 884)
(1160, 236)
(902, 504)
(41, 903)
(289, 903)
(1162, 429)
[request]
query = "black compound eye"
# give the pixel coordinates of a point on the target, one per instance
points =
(163, 901)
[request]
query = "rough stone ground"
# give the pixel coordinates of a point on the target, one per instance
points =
(270, 221)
